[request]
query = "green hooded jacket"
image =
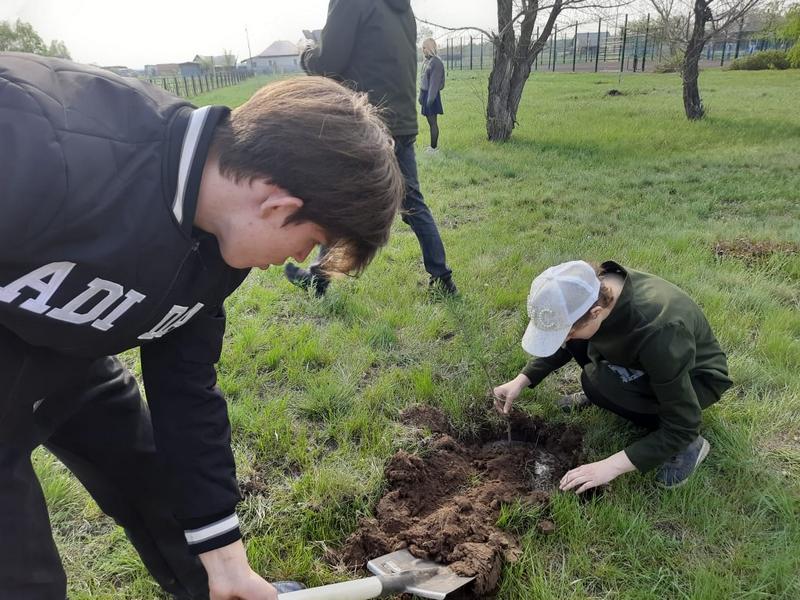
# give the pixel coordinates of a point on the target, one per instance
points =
(657, 330)
(370, 46)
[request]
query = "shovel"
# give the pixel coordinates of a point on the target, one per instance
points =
(396, 573)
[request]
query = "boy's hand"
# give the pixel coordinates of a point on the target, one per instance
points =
(504, 395)
(597, 473)
(230, 576)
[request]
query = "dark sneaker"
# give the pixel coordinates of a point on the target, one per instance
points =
(284, 587)
(573, 402)
(443, 285)
(677, 469)
(305, 279)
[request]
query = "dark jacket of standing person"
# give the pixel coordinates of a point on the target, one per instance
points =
(378, 28)
(432, 77)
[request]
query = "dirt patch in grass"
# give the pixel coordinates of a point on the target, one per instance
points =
(443, 503)
(427, 417)
(754, 251)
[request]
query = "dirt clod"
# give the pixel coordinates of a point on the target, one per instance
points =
(546, 526)
(444, 505)
(754, 251)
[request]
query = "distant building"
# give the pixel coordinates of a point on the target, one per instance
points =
(184, 69)
(162, 70)
(190, 69)
(216, 64)
(121, 71)
(279, 57)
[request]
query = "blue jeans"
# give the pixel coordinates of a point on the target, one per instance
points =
(415, 213)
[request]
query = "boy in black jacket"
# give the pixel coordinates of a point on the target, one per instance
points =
(128, 217)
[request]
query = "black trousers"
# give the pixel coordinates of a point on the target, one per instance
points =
(639, 410)
(415, 213)
(90, 415)
(632, 397)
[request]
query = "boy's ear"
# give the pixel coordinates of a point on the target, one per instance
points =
(595, 311)
(277, 199)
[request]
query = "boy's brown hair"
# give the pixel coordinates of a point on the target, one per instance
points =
(604, 298)
(326, 145)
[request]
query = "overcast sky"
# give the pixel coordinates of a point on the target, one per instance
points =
(139, 32)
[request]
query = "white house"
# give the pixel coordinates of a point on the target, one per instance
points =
(279, 57)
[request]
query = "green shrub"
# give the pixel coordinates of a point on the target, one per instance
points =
(768, 59)
(672, 65)
(793, 55)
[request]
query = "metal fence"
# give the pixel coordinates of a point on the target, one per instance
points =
(606, 45)
(193, 85)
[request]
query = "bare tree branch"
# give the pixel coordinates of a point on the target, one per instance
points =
(466, 28)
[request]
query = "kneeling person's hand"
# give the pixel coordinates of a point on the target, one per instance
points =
(597, 473)
(504, 395)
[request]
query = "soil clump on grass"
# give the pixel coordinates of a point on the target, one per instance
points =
(443, 503)
(751, 252)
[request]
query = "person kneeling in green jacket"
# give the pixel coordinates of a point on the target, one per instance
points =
(647, 354)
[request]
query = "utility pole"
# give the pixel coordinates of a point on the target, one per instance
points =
(249, 52)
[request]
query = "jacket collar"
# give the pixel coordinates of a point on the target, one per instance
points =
(190, 136)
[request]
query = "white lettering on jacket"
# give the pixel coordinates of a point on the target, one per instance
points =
(100, 296)
(35, 280)
(177, 316)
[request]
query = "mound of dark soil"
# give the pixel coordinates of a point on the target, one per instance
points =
(443, 505)
(753, 251)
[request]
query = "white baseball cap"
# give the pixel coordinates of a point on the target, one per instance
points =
(558, 298)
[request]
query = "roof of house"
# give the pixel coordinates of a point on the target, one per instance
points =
(280, 48)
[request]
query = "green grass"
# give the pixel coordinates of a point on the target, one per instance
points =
(315, 386)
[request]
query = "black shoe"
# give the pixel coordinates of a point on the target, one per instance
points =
(306, 280)
(283, 587)
(677, 469)
(443, 285)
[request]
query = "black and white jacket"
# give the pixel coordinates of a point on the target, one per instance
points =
(99, 177)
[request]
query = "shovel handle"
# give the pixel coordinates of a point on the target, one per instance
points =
(359, 589)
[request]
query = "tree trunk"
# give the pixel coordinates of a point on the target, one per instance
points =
(499, 116)
(690, 72)
(512, 66)
(692, 103)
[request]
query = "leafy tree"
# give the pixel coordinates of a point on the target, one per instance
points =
(206, 63)
(22, 37)
(58, 49)
(790, 29)
(228, 58)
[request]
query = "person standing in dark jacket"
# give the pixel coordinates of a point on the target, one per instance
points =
(128, 216)
(431, 84)
(647, 354)
(370, 45)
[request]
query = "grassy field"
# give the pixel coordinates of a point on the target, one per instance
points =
(315, 386)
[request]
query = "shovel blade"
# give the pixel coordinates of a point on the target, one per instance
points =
(436, 586)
